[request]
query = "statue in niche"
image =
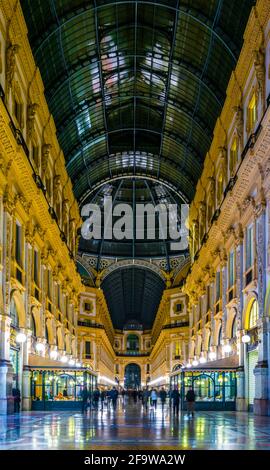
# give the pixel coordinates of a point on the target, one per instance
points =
(239, 123)
(12, 50)
(259, 65)
(31, 113)
(45, 156)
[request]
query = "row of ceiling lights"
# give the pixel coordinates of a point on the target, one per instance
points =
(55, 355)
(227, 348)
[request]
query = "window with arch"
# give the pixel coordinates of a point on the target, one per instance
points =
(253, 315)
(35, 155)
(234, 326)
(47, 333)
(220, 335)
(14, 314)
(252, 112)
(133, 343)
(48, 185)
(33, 325)
(233, 154)
(219, 188)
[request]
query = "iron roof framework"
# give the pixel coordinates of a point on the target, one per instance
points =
(133, 294)
(135, 88)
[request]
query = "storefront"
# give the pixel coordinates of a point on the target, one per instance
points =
(55, 388)
(214, 389)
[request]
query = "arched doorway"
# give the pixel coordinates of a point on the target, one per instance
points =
(132, 376)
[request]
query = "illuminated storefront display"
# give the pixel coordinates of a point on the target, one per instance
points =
(215, 389)
(55, 388)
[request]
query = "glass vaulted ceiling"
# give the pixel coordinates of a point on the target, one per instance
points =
(135, 87)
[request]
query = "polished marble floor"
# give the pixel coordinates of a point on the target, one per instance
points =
(129, 427)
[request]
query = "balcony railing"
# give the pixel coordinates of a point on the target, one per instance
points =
(89, 324)
(178, 324)
(132, 353)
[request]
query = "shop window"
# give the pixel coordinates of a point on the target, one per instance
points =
(233, 154)
(252, 113)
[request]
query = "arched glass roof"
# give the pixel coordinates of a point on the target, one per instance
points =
(135, 87)
(133, 293)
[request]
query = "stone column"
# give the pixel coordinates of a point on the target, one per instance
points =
(6, 373)
(261, 371)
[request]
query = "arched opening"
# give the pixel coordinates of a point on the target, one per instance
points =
(251, 322)
(133, 343)
(14, 314)
(132, 376)
(252, 315)
(33, 325)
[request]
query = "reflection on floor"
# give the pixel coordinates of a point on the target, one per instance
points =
(129, 427)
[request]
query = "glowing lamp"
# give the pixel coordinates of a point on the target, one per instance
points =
(20, 338)
(246, 339)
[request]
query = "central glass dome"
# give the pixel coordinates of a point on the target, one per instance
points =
(132, 192)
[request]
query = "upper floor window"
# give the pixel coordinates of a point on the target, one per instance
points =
(18, 112)
(233, 154)
(49, 284)
(19, 252)
(252, 112)
(218, 285)
(87, 349)
(231, 268)
(14, 313)
(208, 298)
(18, 244)
(219, 188)
(35, 156)
(36, 267)
(132, 343)
(249, 247)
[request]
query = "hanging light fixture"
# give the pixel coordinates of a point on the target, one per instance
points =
(40, 347)
(246, 339)
(212, 355)
(53, 354)
(64, 359)
(20, 338)
(202, 360)
(195, 362)
(227, 348)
